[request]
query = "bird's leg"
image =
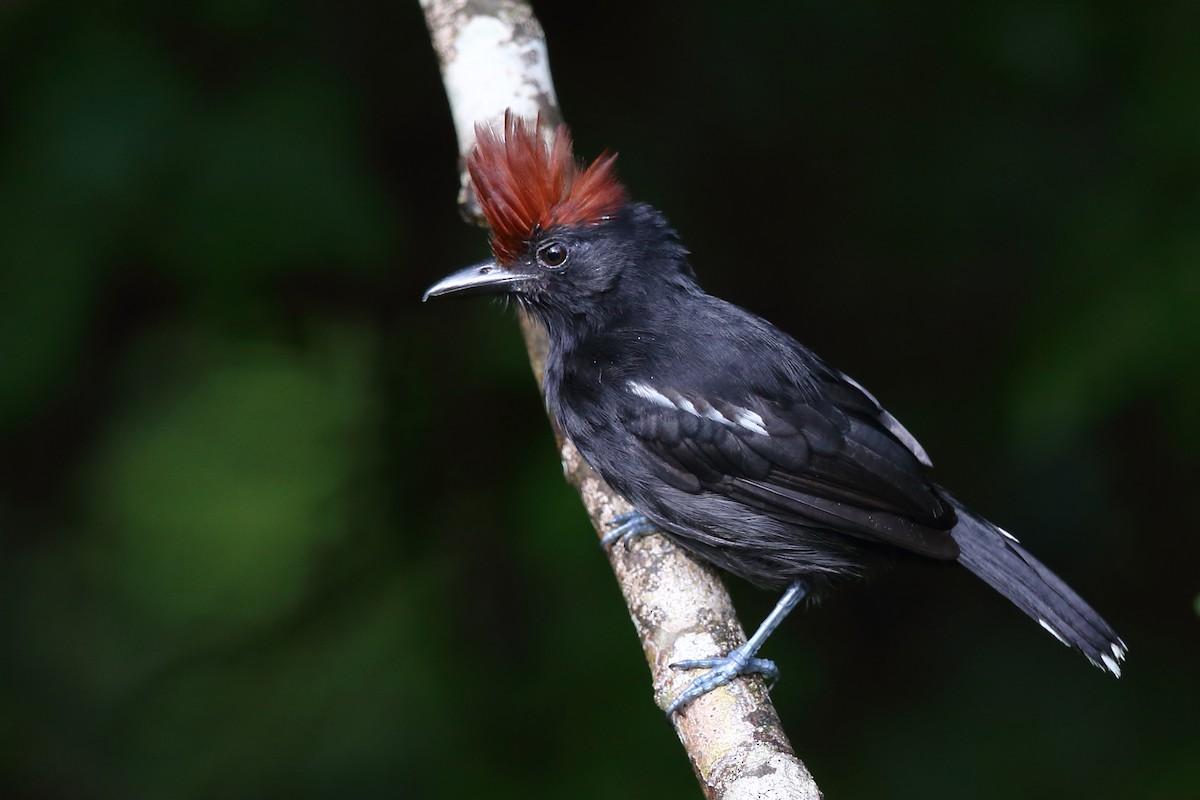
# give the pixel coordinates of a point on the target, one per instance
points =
(741, 661)
(629, 526)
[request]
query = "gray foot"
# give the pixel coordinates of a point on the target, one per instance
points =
(720, 672)
(628, 526)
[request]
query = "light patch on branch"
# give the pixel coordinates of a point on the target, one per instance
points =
(493, 57)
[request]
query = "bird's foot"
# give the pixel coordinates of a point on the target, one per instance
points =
(628, 526)
(720, 672)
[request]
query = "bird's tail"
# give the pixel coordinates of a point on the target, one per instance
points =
(996, 557)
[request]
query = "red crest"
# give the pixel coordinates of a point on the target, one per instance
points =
(525, 186)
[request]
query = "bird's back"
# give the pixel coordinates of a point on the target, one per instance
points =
(744, 446)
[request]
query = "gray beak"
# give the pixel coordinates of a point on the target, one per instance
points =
(485, 278)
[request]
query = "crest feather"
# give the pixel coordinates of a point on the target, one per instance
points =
(524, 185)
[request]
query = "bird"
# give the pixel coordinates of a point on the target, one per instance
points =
(721, 431)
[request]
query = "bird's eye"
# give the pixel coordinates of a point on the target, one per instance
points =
(553, 254)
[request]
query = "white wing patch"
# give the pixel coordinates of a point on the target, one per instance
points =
(648, 392)
(751, 421)
(738, 417)
(892, 424)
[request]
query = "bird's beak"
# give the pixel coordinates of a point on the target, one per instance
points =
(485, 278)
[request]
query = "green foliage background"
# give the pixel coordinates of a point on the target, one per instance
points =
(270, 527)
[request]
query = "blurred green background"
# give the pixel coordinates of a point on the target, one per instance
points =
(270, 527)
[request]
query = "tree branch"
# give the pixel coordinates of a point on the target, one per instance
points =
(493, 56)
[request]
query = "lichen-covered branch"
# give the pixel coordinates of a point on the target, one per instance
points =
(493, 57)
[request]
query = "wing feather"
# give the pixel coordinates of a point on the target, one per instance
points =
(829, 462)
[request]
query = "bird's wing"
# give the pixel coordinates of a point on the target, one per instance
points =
(825, 457)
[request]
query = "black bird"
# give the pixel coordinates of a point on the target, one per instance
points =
(721, 430)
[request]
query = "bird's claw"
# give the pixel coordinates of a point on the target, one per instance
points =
(628, 526)
(720, 672)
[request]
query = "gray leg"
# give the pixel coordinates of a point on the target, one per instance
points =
(741, 661)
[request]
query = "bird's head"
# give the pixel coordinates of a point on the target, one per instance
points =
(563, 236)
